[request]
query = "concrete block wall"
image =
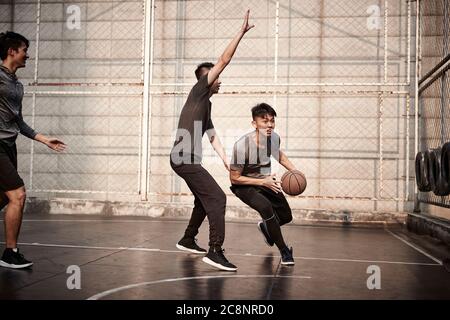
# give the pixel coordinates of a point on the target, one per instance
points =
(334, 139)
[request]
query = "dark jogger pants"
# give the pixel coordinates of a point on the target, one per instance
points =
(265, 201)
(210, 200)
(273, 208)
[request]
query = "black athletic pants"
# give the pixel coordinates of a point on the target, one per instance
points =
(273, 208)
(210, 200)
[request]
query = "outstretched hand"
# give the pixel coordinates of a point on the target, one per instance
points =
(245, 26)
(55, 144)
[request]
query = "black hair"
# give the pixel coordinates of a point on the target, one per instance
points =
(198, 71)
(263, 109)
(12, 40)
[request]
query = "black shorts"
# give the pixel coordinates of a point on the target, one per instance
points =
(9, 177)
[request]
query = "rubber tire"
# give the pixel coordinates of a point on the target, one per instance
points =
(423, 183)
(439, 185)
(445, 169)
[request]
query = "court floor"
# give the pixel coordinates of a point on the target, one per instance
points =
(98, 257)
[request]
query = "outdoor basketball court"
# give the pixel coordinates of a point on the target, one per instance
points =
(360, 89)
(136, 258)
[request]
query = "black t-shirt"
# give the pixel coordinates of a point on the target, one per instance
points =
(195, 120)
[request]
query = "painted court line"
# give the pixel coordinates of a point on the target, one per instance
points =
(351, 260)
(247, 223)
(416, 248)
(37, 244)
(142, 284)
(100, 220)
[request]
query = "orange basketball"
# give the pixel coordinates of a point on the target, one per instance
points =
(293, 182)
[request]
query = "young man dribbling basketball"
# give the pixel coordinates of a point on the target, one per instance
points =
(253, 183)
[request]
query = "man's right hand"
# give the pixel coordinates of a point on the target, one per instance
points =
(272, 183)
(245, 26)
(226, 56)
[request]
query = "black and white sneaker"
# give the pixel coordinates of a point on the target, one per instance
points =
(190, 245)
(262, 227)
(216, 258)
(287, 258)
(14, 259)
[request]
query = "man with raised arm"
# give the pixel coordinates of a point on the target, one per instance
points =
(186, 157)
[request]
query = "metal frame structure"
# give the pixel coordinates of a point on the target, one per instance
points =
(438, 72)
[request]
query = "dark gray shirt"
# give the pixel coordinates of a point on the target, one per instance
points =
(195, 120)
(253, 160)
(11, 120)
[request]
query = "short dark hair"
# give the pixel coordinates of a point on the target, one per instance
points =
(263, 109)
(198, 71)
(12, 40)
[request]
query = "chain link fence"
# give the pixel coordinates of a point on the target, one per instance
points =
(434, 92)
(337, 73)
(84, 83)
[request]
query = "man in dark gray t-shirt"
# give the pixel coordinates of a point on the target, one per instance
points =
(186, 156)
(13, 53)
(253, 159)
(195, 121)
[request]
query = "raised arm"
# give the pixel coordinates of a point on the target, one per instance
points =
(226, 56)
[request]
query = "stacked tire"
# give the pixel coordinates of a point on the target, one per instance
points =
(433, 170)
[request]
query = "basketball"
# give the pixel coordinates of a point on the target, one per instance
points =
(293, 182)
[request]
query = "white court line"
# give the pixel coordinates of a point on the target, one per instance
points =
(136, 285)
(37, 244)
(175, 220)
(100, 220)
(349, 260)
(416, 248)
